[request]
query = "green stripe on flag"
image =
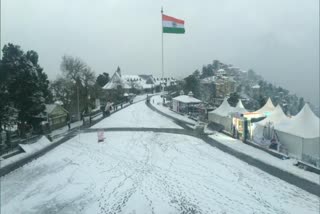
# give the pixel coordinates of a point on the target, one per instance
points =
(173, 30)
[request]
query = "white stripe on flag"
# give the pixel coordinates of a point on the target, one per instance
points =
(172, 24)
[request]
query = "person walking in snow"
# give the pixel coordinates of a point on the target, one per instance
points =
(68, 121)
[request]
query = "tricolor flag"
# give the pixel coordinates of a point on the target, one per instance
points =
(172, 25)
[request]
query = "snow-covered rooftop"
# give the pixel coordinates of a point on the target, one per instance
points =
(208, 80)
(50, 108)
(128, 81)
(187, 99)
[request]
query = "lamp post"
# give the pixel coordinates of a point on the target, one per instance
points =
(78, 103)
(89, 109)
(89, 97)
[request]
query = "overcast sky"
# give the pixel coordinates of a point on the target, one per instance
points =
(279, 39)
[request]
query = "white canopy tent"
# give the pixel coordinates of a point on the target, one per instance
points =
(267, 108)
(300, 135)
(224, 109)
(263, 131)
(239, 108)
(222, 115)
(277, 116)
(305, 124)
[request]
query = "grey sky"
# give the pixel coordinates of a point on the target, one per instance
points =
(279, 39)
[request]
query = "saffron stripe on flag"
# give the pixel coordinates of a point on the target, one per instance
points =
(172, 19)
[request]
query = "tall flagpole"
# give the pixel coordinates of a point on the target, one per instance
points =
(162, 67)
(162, 42)
(0, 31)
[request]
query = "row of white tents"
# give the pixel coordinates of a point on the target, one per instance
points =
(222, 114)
(299, 134)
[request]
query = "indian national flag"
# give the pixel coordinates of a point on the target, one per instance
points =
(172, 25)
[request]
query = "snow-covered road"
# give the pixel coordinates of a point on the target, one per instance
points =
(136, 115)
(146, 172)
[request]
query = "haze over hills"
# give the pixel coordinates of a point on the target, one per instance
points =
(280, 43)
(218, 80)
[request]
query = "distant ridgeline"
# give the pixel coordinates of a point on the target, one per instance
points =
(218, 80)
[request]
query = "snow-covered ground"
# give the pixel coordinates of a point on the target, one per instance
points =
(157, 101)
(56, 134)
(136, 115)
(29, 149)
(286, 165)
(146, 172)
(140, 98)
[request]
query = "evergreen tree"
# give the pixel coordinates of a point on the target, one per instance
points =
(42, 77)
(192, 83)
(216, 64)
(25, 82)
(262, 101)
(301, 103)
(233, 99)
(207, 71)
(103, 79)
(8, 114)
(196, 74)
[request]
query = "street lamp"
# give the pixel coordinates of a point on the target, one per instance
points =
(89, 109)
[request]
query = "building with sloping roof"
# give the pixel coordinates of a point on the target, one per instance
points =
(56, 115)
(185, 103)
(143, 82)
(117, 81)
(224, 86)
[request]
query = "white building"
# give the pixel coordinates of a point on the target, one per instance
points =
(139, 82)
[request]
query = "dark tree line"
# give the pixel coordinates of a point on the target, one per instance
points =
(24, 87)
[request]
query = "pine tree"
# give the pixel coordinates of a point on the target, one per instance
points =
(301, 103)
(233, 99)
(192, 83)
(26, 83)
(102, 79)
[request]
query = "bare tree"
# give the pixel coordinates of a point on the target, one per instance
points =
(82, 79)
(87, 77)
(62, 89)
(72, 67)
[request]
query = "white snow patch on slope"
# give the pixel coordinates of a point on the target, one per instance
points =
(29, 149)
(146, 172)
(37, 146)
